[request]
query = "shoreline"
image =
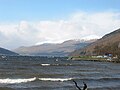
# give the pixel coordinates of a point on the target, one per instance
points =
(95, 59)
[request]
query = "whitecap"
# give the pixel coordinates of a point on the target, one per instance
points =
(55, 79)
(15, 81)
(45, 64)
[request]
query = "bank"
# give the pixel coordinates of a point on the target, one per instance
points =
(95, 58)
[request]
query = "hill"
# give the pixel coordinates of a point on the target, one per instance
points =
(110, 43)
(49, 49)
(6, 52)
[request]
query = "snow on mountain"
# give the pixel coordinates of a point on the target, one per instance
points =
(90, 37)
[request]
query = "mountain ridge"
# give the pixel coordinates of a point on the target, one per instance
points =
(60, 49)
(4, 51)
(108, 40)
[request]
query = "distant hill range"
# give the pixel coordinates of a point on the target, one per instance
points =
(110, 43)
(49, 49)
(7, 52)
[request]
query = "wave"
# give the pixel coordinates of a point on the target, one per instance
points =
(56, 64)
(45, 64)
(15, 81)
(55, 79)
(98, 79)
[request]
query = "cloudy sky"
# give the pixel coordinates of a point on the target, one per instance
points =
(33, 22)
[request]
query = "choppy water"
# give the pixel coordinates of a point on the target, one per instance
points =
(36, 73)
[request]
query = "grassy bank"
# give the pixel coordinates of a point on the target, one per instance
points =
(90, 58)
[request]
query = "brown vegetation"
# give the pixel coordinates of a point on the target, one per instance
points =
(109, 43)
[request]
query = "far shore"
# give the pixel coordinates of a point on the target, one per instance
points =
(95, 59)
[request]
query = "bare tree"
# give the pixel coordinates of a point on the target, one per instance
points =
(84, 87)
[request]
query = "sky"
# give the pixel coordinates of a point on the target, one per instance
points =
(33, 22)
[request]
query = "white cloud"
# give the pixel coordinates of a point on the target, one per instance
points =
(77, 26)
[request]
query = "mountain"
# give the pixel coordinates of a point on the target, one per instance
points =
(109, 43)
(6, 52)
(49, 49)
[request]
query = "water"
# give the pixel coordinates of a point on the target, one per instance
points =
(42, 73)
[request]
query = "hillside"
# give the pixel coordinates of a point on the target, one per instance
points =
(109, 43)
(48, 49)
(6, 52)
